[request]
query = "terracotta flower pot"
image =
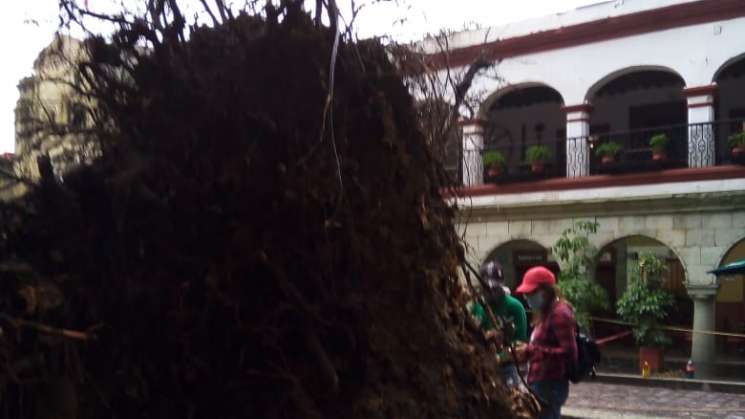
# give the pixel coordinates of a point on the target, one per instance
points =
(493, 171)
(537, 166)
(659, 155)
(653, 356)
(738, 151)
(608, 159)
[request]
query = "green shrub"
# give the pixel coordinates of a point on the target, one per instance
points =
(736, 140)
(610, 149)
(659, 142)
(537, 153)
(645, 303)
(576, 253)
(493, 158)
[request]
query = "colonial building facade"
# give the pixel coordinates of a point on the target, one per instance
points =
(608, 78)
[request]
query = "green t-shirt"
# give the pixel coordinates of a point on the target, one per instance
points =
(511, 310)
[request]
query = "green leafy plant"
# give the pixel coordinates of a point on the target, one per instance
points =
(736, 140)
(575, 253)
(609, 149)
(658, 142)
(537, 153)
(645, 303)
(494, 158)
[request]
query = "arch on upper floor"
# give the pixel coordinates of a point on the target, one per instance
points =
(596, 87)
(520, 116)
(631, 105)
(729, 65)
(531, 92)
(730, 103)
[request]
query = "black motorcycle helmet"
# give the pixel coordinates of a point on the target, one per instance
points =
(492, 277)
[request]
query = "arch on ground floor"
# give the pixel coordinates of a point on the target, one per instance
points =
(730, 299)
(616, 261)
(517, 256)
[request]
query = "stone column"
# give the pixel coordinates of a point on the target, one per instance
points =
(701, 141)
(578, 132)
(703, 348)
(473, 144)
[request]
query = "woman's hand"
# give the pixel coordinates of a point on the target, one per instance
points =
(521, 351)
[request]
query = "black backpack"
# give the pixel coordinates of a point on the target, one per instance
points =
(588, 356)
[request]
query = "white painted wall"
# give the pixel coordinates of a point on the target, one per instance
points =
(599, 10)
(695, 52)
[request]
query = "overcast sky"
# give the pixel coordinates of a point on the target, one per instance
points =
(28, 26)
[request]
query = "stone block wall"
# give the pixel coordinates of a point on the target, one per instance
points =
(699, 239)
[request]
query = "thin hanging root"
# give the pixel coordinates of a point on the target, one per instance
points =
(43, 328)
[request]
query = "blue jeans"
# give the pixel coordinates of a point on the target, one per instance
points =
(553, 392)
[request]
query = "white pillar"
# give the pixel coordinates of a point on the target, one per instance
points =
(703, 347)
(578, 132)
(701, 141)
(473, 144)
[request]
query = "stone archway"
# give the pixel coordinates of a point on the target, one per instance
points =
(517, 256)
(613, 267)
(730, 303)
(615, 264)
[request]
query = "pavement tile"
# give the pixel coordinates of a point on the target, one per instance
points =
(604, 400)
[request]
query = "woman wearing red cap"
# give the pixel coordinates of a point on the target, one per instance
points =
(552, 343)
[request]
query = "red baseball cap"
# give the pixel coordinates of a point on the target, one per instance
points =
(534, 277)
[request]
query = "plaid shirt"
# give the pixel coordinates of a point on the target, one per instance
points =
(552, 344)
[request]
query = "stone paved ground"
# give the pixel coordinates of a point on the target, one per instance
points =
(601, 400)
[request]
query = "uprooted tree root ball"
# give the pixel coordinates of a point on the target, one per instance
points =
(244, 247)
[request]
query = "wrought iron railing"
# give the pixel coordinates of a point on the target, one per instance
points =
(724, 129)
(689, 145)
(636, 153)
(516, 165)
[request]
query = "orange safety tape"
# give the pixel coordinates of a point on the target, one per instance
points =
(672, 328)
(611, 338)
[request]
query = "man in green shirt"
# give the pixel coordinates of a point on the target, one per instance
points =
(505, 307)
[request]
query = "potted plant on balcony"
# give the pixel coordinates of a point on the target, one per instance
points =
(658, 144)
(736, 142)
(645, 304)
(494, 163)
(537, 156)
(608, 151)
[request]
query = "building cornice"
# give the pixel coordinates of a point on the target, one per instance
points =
(701, 90)
(604, 181)
(591, 207)
(679, 15)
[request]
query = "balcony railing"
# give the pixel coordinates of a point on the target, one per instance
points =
(722, 130)
(689, 145)
(518, 168)
(636, 154)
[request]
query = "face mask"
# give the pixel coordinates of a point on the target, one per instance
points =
(535, 301)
